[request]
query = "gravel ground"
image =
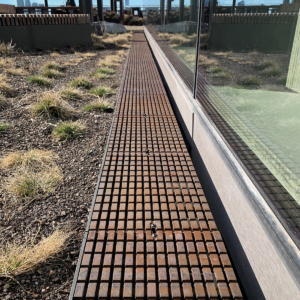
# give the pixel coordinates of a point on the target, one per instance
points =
(79, 160)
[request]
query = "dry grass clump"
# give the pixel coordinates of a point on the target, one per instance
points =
(49, 73)
(81, 82)
(264, 65)
(214, 70)
(3, 127)
(250, 80)
(70, 93)
(98, 105)
(88, 54)
(177, 40)
(33, 173)
(69, 130)
(52, 105)
(122, 53)
(271, 72)
(208, 62)
(117, 39)
(16, 71)
(39, 80)
(33, 159)
(54, 53)
(6, 49)
(6, 89)
(76, 61)
(110, 61)
(223, 74)
(102, 91)
(2, 101)
(52, 65)
(27, 184)
(17, 259)
(222, 54)
(97, 41)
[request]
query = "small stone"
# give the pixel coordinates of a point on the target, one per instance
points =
(63, 213)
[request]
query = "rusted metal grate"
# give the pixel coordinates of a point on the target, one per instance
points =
(151, 233)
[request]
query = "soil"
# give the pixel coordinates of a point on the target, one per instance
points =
(79, 160)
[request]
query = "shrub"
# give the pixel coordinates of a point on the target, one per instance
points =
(98, 105)
(250, 80)
(52, 73)
(81, 82)
(3, 127)
(51, 105)
(270, 72)
(214, 70)
(69, 130)
(52, 65)
(20, 258)
(102, 91)
(70, 93)
(264, 65)
(39, 80)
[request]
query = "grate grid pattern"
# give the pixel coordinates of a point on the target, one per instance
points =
(148, 178)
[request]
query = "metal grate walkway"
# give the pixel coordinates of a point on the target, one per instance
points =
(151, 233)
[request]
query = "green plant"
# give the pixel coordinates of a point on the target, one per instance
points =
(100, 76)
(270, 72)
(52, 73)
(70, 93)
(51, 105)
(39, 80)
(53, 66)
(214, 70)
(102, 91)
(105, 71)
(250, 80)
(97, 105)
(223, 75)
(81, 82)
(69, 130)
(264, 65)
(3, 127)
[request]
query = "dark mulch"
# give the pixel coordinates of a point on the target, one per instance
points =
(79, 160)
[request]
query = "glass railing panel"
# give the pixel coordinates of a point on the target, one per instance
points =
(248, 82)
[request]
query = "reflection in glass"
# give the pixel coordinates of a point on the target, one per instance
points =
(249, 73)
